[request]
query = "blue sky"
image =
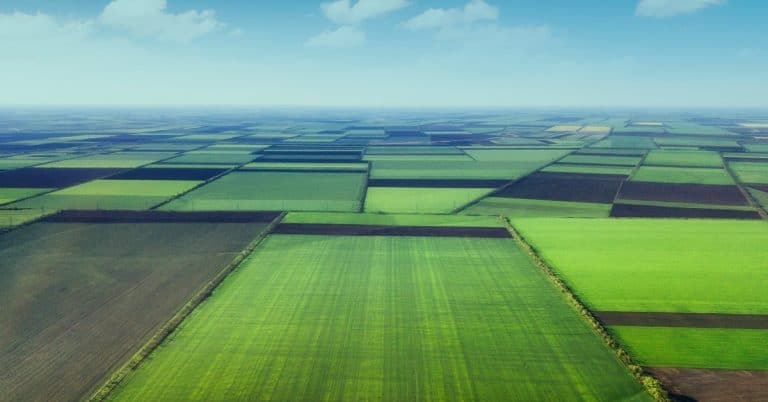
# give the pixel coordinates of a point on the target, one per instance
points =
(385, 53)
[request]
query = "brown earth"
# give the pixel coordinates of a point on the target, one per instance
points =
(688, 320)
(52, 177)
(375, 230)
(690, 193)
(599, 188)
(432, 183)
(650, 211)
(712, 384)
(102, 216)
(79, 299)
(168, 174)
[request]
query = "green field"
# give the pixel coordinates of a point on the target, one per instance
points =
(14, 217)
(114, 160)
(684, 158)
(664, 174)
(383, 318)
(626, 141)
(420, 200)
(393, 219)
(588, 169)
(741, 349)
(301, 166)
(750, 172)
(669, 265)
(110, 194)
(12, 194)
(522, 207)
(228, 158)
(266, 191)
(760, 196)
(602, 160)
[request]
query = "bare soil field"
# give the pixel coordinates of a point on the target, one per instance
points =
(689, 193)
(78, 299)
(687, 320)
(650, 211)
(598, 188)
(52, 177)
(713, 385)
(430, 183)
(168, 174)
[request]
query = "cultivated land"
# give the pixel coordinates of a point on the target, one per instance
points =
(360, 302)
(396, 318)
(78, 299)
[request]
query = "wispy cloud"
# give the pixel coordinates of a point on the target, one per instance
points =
(671, 8)
(150, 18)
(444, 18)
(39, 25)
(344, 36)
(345, 13)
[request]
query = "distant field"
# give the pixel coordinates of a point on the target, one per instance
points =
(393, 219)
(602, 160)
(663, 174)
(684, 158)
(626, 141)
(520, 207)
(12, 194)
(114, 160)
(276, 191)
(420, 200)
(398, 318)
(78, 299)
(14, 217)
(751, 172)
(589, 169)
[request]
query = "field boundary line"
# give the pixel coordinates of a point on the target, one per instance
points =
(114, 379)
(649, 383)
(511, 183)
(750, 199)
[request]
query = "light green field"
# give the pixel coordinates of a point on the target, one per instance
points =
(716, 348)
(658, 265)
(12, 194)
(520, 207)
(588, 169)
(406, 150)
(602, 160)
(756, 147)
(626, 141)
(214, 158)
(750, 172)
(695, 142)
(20, 161)
(420, 200)
(383, 318)
(14, 217)
(299, 166)
(664, 174)
(695, 129)
(519, 156)
(684, 158)
(406, 157)
(760, 196)
(111, 194)
(276, 191)
(115, 160)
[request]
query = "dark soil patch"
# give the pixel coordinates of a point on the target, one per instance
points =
(374, 230)
(168, 174)
(52, 177)
(310, 157)
(405, 133)
(689, 320)
(761, 187)
(101, 216)
(690, 193)
(714, 385)
(597, 188)
(79, 299)
(650, 211)
(430, 183)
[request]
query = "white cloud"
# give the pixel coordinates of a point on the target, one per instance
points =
(344, 36)
(21, 25)
(671, 8)
(443, 18)
(150, 18)
(346, 13)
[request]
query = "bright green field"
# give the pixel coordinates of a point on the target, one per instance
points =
(684, 158)
(111, 194)
(744, 349)
(659, 265)
(588, 169)
(383, 318)
(13, 217)
(420, 200)
(12, 194)
(602, 160)
(750, 172)
(664, 174)
(276, 191)
(343, 218)
(520, 207)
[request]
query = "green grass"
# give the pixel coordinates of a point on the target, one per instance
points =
(115, 160)
(664, 174)
(277, 191)
(602, 160)
(659, 265)
(12, 194)
(383, 318)
(626, 141)
(420, 200)
(519, 207)
(714, 348)
(684, 158)
(392, 219)
(110, 194)
(588, 169)
(750, 172)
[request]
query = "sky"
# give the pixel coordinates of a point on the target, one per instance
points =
(385, 53)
